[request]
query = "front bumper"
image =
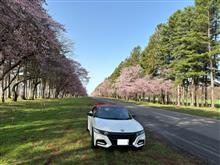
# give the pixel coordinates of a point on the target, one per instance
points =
(109, 140)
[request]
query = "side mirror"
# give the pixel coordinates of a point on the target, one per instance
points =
(133, 115)
(90, 114)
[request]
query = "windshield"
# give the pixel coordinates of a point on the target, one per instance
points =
(116, 113)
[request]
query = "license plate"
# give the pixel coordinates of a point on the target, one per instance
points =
(122, 142)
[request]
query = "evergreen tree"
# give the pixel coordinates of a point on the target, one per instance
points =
(153, 57)
(186, 48)
(208, 26)
(132, 60)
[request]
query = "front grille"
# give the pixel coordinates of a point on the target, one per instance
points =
(113, 136)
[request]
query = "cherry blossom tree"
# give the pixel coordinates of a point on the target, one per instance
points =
(32, 56)
(132, 84)
(125, 84)
(105, 89)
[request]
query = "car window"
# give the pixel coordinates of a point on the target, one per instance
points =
(116, 113)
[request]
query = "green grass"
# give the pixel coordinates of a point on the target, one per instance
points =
(204, 112)
(198, 111)
(54, 132)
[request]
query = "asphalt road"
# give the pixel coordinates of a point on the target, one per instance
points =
(196, 135)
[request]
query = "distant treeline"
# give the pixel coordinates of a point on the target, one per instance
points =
(34, 54)
(179, 65)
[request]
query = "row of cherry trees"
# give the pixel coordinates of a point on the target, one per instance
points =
(132, 84)
(185, 50)
(33, 54)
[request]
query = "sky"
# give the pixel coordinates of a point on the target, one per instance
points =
(105, 31)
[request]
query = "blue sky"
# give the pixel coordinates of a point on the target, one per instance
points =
(104, 32)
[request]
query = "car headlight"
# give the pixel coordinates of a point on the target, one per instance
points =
(100, 131)
(140, 132)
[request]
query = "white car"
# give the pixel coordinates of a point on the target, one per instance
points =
(112, 125)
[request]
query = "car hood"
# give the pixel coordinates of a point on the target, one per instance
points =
(117, 125)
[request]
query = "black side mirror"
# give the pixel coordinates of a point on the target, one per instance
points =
(90, 114)
(133, 115)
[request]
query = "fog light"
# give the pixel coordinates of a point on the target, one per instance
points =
(140, 142)
(102, 142)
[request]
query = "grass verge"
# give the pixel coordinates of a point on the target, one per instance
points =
(54, 132)
(198, 111)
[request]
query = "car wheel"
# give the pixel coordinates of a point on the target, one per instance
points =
(92, 140)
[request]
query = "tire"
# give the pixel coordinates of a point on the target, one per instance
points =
(92, 140)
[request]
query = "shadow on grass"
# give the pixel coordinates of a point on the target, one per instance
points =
(29, 126)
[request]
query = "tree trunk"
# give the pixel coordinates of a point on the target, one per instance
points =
(143, 97)
(32, 95)
(25, 83)
(62, 95)
(49, 93)
(178, 95)
(168, 98)
(56, 94)
(31, 91)
(192, 93)
(3, 91)
(211, 63)
(212, 84)
(14, 91)
(43, 89)
(34, 90)
(154, 99)
(148, 98)
(195, 96)
(183, 96)
(206, 92)
(9, 87)
(163, 97)
(186, 95)
(24, 91)
(202, 95)
(3, 96)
